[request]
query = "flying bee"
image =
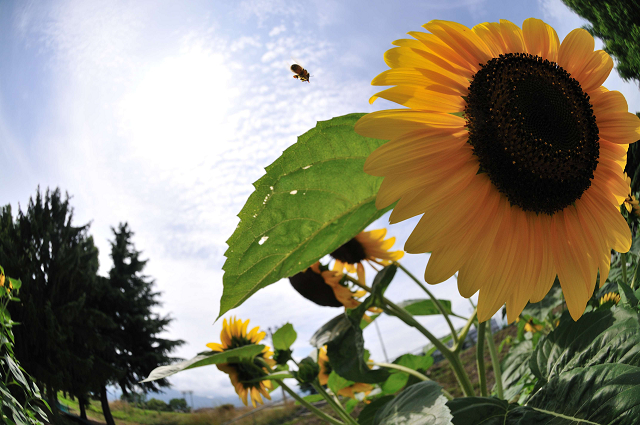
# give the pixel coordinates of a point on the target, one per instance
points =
(301, 73)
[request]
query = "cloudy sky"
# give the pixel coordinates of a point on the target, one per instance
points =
(162, 114)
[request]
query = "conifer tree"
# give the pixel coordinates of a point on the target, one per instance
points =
(139, 347)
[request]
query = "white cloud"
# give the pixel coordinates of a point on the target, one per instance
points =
(277, 30)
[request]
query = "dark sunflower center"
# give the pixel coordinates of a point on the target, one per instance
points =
(351, 252)
(533, 130)
(248, 371)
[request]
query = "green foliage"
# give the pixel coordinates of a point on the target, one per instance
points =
(178, 405)
(421, 403)
(284, 337)
(312, 200)
(601, 394)
(337, 382)
(617, 23)
(345, 349)
(599, 337)
(425, 307)
(60, 333)
(399, 379)
(205, 358)
(541, 310)
(158, 405)
(21, 402)
(131, 301)
(308, 371)
(367, 416)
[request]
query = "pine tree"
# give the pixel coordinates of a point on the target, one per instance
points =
(139, 349)
(617, 23)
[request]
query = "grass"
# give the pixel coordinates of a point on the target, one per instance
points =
(126, 414)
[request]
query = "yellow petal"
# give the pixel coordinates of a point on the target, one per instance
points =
(540, 39)
(393, 123)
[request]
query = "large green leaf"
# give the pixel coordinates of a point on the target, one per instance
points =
(207, 358)
(516, 373)
(313, 199)
(599, 337)
(422, 403)
(425, 307)
(597, 395)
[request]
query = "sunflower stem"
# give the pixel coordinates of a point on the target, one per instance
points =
(465, 330)
(623, 261)
(319, 413)
(495, 362)
(635, 274)
(439, 306)
(482, 377)
(453, 357)
(335, 404)
(411, 372)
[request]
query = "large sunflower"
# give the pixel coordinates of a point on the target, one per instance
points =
(325, 287)
(234, 334)
(365, 246)
(513, 151)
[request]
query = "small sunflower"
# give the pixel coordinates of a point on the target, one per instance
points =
(325, 287)
(366, 246)
(631, 203)
(234, 334)
(325, 371)
(610, 297)
(512, 151)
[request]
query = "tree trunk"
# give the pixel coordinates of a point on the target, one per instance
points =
(81, 403)
(105, 406)
(83, 411)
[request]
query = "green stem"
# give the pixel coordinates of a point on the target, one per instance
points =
(482, 377)
(411, 372)
(465, 330)
(335, 404)
(319, 413)
(439, 306)
(454, 359)
(623, 260)
(495, 362)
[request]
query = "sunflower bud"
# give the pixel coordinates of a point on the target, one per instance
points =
(307, 371)
(282, 356)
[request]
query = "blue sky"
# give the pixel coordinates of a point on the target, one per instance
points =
(163, 113)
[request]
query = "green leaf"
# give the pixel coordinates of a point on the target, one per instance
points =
(596, 395)
(337, 382)
(350, 405)
(422, 403)
(419, 363)
(284, 337)
(627, 297)
(330, 330)
(399, 379)
(516, 373)
(394, 383)
(312, 200)
(312, 398)
(368, 414)
(424, 307)
(206, 358)
(271, 377)
(599, 337)
(541, 310)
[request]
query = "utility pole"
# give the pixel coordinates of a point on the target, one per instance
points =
(190, 392)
